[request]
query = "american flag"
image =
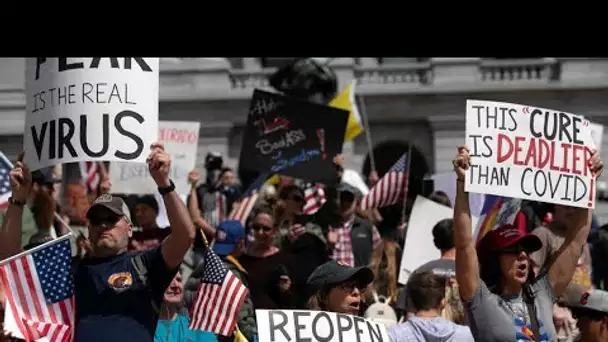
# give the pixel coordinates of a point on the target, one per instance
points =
(39, 288)
(5, 186)
(219, 298)
(242, 211)
(391, 188)
(314, 195)
(90, 175)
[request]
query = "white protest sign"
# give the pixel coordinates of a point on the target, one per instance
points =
(419, 247)
(531, 153)
(316, 326)
(89, 109)
(181, 142)
(597, 134)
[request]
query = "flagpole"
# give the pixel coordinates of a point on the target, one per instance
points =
(409, 164)
(368, 134)
(35, 249)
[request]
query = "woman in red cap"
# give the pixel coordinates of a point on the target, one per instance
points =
(503, 298)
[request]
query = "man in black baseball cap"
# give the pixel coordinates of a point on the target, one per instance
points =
(590, 308)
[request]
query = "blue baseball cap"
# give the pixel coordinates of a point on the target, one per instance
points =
(228, 236)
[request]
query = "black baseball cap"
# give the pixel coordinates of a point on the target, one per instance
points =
(113, 203)
(45, 176)
(333, 273)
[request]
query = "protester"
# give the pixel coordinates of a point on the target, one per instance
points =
(173, 326)
(354, 239)
(601, 251)
(149, 234)
(440, 197)
(291, 221)
(208, 203)
(117, 293)
(505, 300)
(445, 266)
(427, 293)
(269, 268)
(39, 206)
(590, 308)
(385, 263)
(553, 237)
(337, 287)
(228, 246)
(381, 294)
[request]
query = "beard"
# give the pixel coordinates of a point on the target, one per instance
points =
(44, 210)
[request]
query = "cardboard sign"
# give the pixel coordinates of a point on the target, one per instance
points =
(419, 247)
(89, 109)
(531, 153)
(181, 142)
(292, 137)
(316, 326)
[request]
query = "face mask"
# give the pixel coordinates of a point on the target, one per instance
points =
(213, 176)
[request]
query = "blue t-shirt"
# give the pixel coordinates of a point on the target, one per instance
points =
(177, 331)
(112, 304)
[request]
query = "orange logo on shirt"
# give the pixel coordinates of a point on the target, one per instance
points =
(120, 282)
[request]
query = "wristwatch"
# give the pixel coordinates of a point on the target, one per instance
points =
(164, 191)
(13, 201)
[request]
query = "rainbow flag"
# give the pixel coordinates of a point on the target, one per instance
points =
(496, 211)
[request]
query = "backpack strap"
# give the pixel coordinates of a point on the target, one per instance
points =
(142, 273)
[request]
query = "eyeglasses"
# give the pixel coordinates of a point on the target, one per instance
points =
(262, 227)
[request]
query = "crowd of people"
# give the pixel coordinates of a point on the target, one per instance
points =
(534, 279)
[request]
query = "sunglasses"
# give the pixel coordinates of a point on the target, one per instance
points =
(350, 285)
(104, 219)
(262, 227)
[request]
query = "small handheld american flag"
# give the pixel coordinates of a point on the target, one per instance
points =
(40, 291)
(250, 197)
(218, 299)
(5, 186)
(391, 188)
(314, 195)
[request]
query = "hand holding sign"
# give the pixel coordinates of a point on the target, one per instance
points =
(462, 162)
(21, 180)
(596, 165)
(193, 177)
(159, 163)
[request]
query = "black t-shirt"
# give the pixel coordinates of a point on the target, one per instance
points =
(112, 304)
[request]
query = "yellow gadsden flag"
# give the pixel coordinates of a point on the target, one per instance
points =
(346, 100)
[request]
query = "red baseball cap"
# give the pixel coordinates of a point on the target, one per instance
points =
(514, 236)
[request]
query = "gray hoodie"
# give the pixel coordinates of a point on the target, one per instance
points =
(435, 329)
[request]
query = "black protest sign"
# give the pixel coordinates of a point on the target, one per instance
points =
(292, 137)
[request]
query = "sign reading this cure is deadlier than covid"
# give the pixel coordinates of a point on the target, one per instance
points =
(531, 153)
(86, 109)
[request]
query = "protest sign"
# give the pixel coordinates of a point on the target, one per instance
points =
(531, 153)
(89, 109)
(292, 137)
(181, 142)
(419, 247)
(316, 326)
